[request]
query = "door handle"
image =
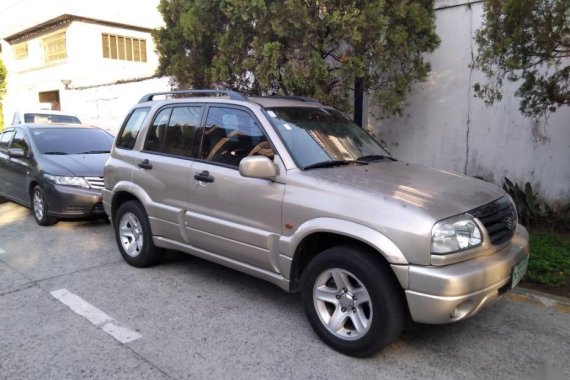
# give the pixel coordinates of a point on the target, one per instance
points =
(204, 177)
(145, 164)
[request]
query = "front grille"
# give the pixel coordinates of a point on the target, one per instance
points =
(499, 218)
(95, 182)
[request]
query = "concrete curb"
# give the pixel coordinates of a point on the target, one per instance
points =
(535, 297)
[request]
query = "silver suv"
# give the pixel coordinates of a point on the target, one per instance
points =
(293, 192)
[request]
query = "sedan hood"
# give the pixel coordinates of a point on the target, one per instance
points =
(439, 193)
(80, 165)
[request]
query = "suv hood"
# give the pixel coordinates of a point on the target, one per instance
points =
(81, 165)
(439, 193)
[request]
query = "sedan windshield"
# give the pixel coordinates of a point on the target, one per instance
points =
(60, 141)
(323, 137)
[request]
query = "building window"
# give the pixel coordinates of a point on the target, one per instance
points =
(20, 50)
(55, 47)
(123, 48)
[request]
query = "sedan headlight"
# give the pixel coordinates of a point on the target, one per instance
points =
(68, 181)
(455, 234)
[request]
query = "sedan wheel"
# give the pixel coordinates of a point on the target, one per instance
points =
(40, 208)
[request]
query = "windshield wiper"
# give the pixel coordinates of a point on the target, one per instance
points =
(327, 164)
(375, 157)
(57, 153)
(95, 152)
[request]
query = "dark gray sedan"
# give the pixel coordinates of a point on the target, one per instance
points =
(57, 170)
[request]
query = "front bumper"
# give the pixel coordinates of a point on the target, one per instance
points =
(457, 291)
(66, 202)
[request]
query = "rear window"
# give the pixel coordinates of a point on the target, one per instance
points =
(60, 141)
(39, 118)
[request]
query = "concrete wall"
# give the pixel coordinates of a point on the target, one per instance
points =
(446, 127)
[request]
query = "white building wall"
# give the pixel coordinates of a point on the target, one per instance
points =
(446, 127)
(91, 94)
(107, 106)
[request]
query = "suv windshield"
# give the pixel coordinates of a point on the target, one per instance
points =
(39, 118)
(320, 137)
(58, 141)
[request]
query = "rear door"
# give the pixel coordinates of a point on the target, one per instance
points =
(231, 215)
(164, 168)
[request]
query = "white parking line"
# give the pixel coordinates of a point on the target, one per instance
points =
(2, 251)
(95, 316)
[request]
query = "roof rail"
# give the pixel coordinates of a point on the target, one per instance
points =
(233, 95)
(293, 97)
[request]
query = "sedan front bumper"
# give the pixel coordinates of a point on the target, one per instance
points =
(457, 291)
(66, 202)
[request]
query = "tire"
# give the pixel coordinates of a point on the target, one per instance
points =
(40, 208)
(353, 300)
(134, 236)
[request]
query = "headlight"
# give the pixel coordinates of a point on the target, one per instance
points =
(68, 181)
(455, 234)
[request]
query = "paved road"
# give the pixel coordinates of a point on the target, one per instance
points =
(188, 318)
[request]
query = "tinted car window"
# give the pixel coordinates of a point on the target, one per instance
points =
(128, 134)
(157, 131)
(181, 130)
(49, 118)
(72, 141)
(20, 141)
(230, 135)
(5, 139)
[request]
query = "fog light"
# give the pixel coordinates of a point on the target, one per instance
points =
(461, 310)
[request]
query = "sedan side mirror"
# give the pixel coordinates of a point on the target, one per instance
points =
(257, 167)
(16, 153)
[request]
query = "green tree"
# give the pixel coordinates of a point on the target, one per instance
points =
(2, 90)
(526, 41)
(299, 47)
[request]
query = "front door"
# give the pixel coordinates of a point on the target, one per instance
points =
(231, 215)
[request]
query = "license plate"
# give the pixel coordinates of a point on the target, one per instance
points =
(519, 271)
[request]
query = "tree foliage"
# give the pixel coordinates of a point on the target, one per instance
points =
(2, 90)
(526, 41)
(299, 47)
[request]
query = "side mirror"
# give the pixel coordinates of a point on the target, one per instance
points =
(16, 153)
(257, 167)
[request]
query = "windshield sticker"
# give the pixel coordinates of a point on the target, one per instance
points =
(287, 126)
(271, 113)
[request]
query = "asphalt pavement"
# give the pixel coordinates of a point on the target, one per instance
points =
(71, 308)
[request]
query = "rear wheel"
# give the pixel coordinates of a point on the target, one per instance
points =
(40, 208)
(353, 300)
(134, 236)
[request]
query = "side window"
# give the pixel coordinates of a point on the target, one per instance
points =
(181, 130)
(20, 141)
(128, 134)
(157, 132)
(5, 139)
(230, 135)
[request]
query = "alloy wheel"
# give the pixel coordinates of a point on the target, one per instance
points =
(342, 304)
(131, 234)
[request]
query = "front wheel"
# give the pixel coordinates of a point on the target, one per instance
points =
(352, 300)
(40, 208)
(134, 236)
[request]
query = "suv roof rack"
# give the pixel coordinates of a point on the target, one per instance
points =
(233, 95)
